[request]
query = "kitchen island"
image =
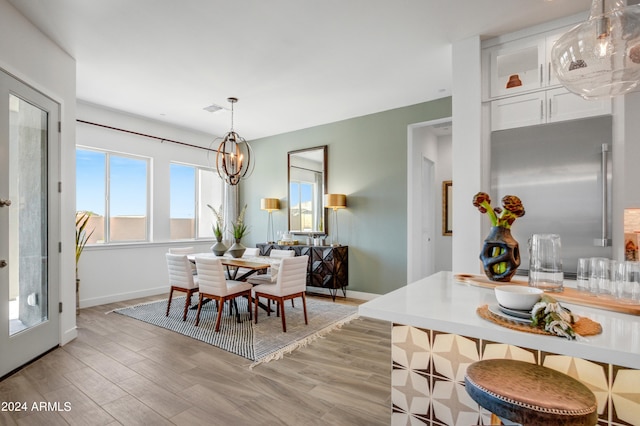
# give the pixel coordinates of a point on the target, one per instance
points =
(437, 334)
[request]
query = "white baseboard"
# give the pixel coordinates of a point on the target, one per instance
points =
(87, 303)
(360, 295)
(68, 335)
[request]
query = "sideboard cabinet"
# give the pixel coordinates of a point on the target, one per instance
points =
(328, 266)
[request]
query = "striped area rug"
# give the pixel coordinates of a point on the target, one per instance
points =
(260, 342)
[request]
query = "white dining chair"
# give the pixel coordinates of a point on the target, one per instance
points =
(291, 282)
(185, 250)
(180, 279)
(281, 253)
(214, 285)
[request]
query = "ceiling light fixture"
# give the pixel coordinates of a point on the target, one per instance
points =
(601, 57)
(234, 160)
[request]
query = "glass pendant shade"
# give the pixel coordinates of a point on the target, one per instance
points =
(600, 58)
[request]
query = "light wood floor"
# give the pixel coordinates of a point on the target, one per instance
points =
(123, 371)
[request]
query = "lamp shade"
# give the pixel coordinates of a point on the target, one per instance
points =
(270, 204)
(600, 57)
(335, 201)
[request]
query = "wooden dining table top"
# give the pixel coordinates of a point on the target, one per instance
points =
(249, 263)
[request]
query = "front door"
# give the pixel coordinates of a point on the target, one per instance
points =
(29, 198)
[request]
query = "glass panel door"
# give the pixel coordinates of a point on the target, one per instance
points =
(28, 256)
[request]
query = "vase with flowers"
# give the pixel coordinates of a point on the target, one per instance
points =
(500, 253)
(218, 230)
(239, 230)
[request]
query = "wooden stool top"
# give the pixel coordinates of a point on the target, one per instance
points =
(530, 394)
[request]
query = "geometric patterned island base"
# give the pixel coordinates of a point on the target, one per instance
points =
(427, 381)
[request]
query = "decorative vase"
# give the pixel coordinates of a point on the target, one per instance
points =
(500, 254)
(219, 248)
(237, 249)
(77, 296)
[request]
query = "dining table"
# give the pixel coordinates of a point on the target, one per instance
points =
(249, 265)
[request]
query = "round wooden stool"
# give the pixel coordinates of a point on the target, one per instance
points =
(530, 394)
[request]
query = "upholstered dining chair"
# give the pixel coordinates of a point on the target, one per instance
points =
(281, 253)
(272, 272)
(291, 282)
(214, 285)
(181, 279)
(185, 250)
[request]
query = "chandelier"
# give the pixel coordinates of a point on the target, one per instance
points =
(234, 160)
(601, 57)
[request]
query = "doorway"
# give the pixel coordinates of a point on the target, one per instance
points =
(29, 201)
(428, 164)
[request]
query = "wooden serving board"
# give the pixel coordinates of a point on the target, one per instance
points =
(569, 295)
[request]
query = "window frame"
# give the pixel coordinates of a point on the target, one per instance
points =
(107, 193)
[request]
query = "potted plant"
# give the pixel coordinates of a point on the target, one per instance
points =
(82, 237)
(218, 229)
(239, 230)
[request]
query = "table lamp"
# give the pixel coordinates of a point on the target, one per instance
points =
(270, 204)
(335, 202)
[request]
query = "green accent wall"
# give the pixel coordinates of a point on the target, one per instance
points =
(367, 161)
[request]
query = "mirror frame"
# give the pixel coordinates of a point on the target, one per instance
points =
(325, 214)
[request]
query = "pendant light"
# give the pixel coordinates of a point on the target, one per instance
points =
(600, 57)
(234, 160)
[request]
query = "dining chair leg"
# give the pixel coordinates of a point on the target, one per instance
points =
(284, 322)
(249, 305)
(268, 307)
(186, 304)
(199, 308)
(219, 317)
(304, 307)
(255, 309)
(169, 302)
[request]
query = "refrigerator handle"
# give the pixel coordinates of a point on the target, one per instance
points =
(604, 241)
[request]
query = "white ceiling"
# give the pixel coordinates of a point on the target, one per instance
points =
(293, 64)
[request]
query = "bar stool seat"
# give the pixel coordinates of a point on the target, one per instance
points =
(530, 394)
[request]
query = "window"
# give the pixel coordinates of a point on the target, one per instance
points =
(192, 188)
(115, 188)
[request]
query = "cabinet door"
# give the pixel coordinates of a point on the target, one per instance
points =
(516, 66)
(518, 111)
(564, 105)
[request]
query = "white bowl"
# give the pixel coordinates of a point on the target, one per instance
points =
(518, 296)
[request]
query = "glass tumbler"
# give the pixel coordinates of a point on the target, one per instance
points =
(545, 262)
(582, 274)
(599, 274)
(628, 289)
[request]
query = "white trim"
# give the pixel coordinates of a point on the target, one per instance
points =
(412, 233)
(119, 297)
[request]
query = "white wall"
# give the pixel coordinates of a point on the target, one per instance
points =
(117, 272)
(467, 153)
(24, 51)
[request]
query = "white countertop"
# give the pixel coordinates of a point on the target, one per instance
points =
(440, 303)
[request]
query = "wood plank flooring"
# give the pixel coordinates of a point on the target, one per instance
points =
(123, 371)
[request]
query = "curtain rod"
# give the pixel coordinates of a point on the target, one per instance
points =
(145, 135)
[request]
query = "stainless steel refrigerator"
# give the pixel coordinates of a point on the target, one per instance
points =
(562, 174)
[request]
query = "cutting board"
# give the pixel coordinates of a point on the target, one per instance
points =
(569, 295)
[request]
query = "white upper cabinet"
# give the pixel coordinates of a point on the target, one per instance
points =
(523, 89)
(521, 65)
(544, 106)
(516, 67)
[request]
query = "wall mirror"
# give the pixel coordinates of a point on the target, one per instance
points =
(307, 174)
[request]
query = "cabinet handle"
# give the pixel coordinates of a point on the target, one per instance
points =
(549, 74)
(550, 109)
(604, 241)
(541, 110)
(541, 75)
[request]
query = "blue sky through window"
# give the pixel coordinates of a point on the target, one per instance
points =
(183, 195)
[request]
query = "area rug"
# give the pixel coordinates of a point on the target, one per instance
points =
(260, 342)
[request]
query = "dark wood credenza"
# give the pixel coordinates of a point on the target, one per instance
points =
(328, 266)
